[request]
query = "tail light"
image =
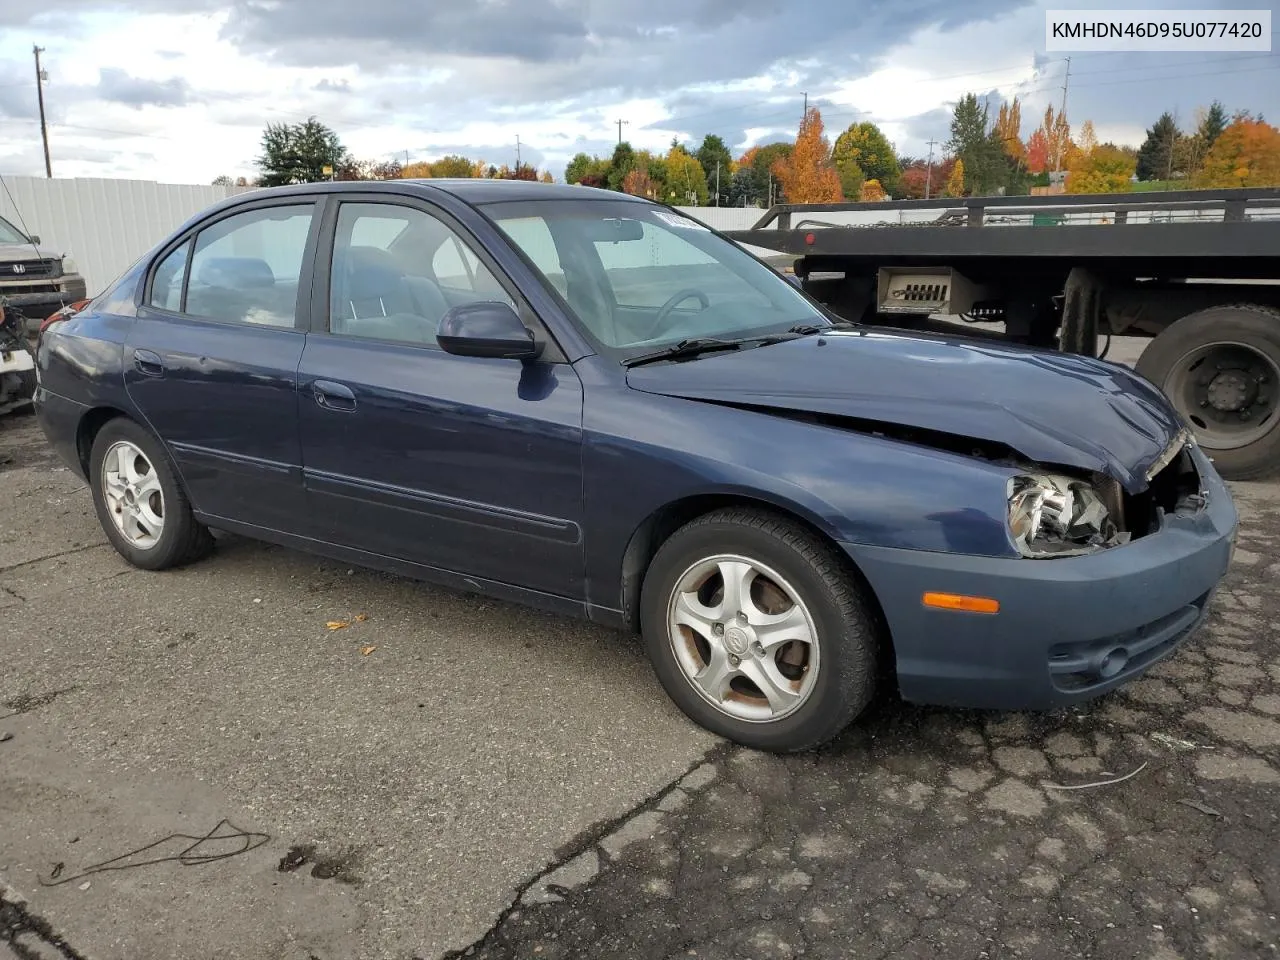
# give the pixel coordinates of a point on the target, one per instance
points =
(65, 313)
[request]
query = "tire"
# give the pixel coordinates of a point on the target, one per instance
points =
(834, 686)
(1243, 438)
(179, 538)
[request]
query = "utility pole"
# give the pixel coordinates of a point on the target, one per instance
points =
(1057, 146)
(41, 76)
(517, 151)
(620, 123)
(928, 177)
(717, 183)
(806, 106)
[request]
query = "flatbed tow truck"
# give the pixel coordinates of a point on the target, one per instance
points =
(1198, 272)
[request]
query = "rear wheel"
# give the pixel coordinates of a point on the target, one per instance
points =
(757, 630)
(141, 505)
(1220, 368)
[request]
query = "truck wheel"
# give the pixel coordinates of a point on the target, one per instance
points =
(1220, 368)
(757, 631)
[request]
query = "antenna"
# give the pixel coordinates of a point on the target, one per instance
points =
(620, 123)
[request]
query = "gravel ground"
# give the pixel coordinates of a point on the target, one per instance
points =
(500, 783)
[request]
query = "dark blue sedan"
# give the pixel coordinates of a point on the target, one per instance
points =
(593, 404)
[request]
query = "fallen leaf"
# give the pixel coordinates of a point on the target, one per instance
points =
(1202, 807)
(365, 651)
(337, 624)
(361, 617)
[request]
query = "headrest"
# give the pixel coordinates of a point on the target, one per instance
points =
(239, 272)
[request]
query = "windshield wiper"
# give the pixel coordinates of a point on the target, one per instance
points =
(685, 348)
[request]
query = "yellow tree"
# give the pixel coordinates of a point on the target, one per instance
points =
(955, 182)
(1246, 154)
(546, 177)
(808, 175)
(872, 191)
(1088, 139)
(1102, 170)
(686, 180)
(416, 171)
(1009, 129)
(1057, 134)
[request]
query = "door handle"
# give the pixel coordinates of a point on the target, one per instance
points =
(333, 396)
(148, 364)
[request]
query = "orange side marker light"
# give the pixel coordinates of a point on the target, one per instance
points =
(955, 601)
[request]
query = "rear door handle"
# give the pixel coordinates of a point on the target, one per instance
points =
(333, 396)
(148, 364)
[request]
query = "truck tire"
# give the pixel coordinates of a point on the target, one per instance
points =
(1220, 367)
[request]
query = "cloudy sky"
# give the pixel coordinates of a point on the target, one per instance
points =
(179, 90)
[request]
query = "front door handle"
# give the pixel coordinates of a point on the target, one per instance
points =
(148, 364)
(334, 396)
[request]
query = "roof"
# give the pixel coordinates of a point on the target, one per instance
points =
(484, 190)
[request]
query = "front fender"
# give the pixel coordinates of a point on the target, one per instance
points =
(643, 452)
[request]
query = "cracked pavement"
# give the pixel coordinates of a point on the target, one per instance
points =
(499, 783)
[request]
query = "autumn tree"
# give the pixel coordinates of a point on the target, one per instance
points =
(808, 175)
(1103, 169)
(1247, 154)
(638, 184)
(872, 192)
(1156, 155)
(546, 177)
(1009, 130)
(918, 182)
(1088, 139)
(1038, 151)
(864, 152)
(756, 172)
(686, 182)
(955, 182)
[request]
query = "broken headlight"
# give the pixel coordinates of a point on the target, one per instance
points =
(1057, 516)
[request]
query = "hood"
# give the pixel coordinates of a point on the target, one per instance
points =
(25, 251)
(1054, 408)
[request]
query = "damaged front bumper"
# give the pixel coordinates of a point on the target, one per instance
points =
(1067, 629)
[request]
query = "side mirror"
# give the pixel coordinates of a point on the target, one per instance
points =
(486, 329)
(35, 239)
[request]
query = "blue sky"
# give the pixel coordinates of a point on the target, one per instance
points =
(180, 91)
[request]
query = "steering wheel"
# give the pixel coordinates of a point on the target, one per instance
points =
(664, 312)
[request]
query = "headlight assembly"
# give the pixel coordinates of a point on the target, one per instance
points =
(69, 265)
(1056, 516)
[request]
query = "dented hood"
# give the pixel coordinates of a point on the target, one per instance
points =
(1053, 408)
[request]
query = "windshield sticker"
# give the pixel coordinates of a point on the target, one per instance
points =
(683, 223)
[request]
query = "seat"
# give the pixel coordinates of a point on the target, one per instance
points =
(374, 298)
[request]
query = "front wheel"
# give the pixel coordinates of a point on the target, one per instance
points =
(1220, 368)
(757, 630)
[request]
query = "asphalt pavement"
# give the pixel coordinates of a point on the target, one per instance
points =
(271, 756)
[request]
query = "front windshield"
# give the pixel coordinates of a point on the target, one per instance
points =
(9, 233)
(639, 277)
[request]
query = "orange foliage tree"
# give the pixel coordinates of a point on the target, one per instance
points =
(872, 191)
(1038, 152)
(638, 183)
(1246, 154)
(808, 175)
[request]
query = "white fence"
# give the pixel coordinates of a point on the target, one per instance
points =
(105, 225)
